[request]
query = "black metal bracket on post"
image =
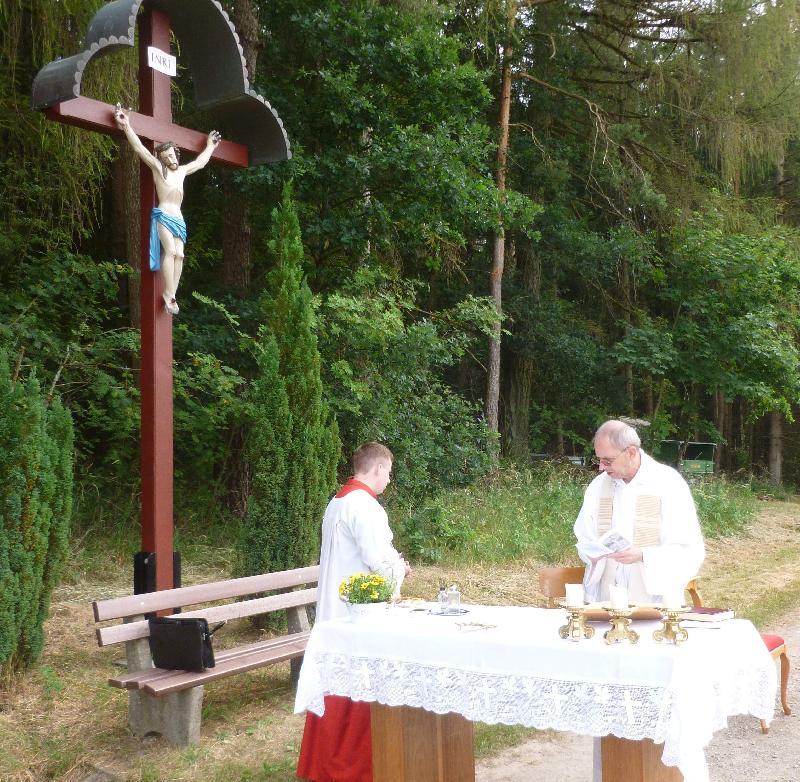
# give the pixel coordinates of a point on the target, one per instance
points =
(144, 571)
(144, 574)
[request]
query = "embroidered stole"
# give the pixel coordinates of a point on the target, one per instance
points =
(647, 520)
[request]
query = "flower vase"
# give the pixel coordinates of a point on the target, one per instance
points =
(359, 612)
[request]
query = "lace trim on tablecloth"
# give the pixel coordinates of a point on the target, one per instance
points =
(593, 709)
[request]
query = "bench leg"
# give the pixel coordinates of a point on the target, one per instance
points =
(295, 664)
(176, 716)
(297, 621)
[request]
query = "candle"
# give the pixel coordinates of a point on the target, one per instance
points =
(619, 597)
(673, 599)
(574, 595)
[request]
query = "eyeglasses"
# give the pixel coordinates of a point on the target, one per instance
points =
(605, 462)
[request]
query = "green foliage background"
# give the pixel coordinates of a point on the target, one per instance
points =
(651, 248)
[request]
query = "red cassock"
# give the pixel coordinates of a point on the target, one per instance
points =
(337, 747)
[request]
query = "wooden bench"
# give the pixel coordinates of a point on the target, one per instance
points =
(169, 702)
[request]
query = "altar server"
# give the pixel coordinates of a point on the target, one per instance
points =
(356, 537)
(650, 508)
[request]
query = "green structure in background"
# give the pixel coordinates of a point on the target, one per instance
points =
(688, 457)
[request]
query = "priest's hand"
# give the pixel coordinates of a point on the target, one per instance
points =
(629, 556)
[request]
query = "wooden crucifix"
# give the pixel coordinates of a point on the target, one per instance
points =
(223, 91)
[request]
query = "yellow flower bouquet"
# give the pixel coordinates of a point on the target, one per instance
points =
(366, 588)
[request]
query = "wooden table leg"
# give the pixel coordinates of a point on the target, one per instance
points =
(635, 761)
(414, 745)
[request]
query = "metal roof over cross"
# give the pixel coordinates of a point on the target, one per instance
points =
(252, 135)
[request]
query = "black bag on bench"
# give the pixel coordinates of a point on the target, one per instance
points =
(181, 643)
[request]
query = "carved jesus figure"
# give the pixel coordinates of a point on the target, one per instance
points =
(168, 229)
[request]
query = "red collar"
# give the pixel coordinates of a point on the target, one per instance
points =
(354, 485)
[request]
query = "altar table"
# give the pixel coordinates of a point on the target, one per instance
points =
(508, 665)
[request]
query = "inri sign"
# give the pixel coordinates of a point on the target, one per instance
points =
(161, 61)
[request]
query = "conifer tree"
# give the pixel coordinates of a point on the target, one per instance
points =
(36, 456)
(264, 547)
(294, 442)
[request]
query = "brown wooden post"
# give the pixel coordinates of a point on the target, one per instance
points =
(156, 334)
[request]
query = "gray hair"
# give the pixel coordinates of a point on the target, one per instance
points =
(618, 433)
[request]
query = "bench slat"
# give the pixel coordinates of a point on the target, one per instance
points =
(167, 599)
(182, 680)
(137, 679)
(131, 631)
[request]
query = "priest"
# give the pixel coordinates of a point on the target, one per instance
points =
(356, 538)
(638, 526)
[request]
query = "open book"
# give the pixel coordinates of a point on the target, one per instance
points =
(610, 543)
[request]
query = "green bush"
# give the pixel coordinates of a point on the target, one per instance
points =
(293, 442)
(36, 459)
(383, 371)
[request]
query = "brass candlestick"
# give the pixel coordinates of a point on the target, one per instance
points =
(671, 630)
(576, 627)
(620, 626)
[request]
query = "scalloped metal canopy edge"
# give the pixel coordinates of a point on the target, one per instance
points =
(210, 46)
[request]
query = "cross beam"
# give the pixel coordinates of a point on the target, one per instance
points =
(153, 123)
(91, 114)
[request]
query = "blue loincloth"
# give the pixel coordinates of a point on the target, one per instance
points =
(174, 225)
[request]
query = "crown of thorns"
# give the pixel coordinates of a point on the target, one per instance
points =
(168, 145)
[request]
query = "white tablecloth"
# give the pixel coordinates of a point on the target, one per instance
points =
(521, 673)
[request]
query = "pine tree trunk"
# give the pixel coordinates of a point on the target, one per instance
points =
(775, 448)
(498, 248)
(720, 423)
(559, 447)
(517, 409)
(649, 399)
(519, 371)
(627, 293)
(236, 256)
(775, 455)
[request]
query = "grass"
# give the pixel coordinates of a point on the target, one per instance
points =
(775, 604)
(530, 513)
(60, 721)
(514, 513)
(723, 507)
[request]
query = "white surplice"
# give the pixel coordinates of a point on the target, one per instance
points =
(667, 567)
(355, 539)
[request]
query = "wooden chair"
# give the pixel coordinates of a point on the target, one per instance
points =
(777, 648)
(552, 582)
(693, 589)
(775, 645)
